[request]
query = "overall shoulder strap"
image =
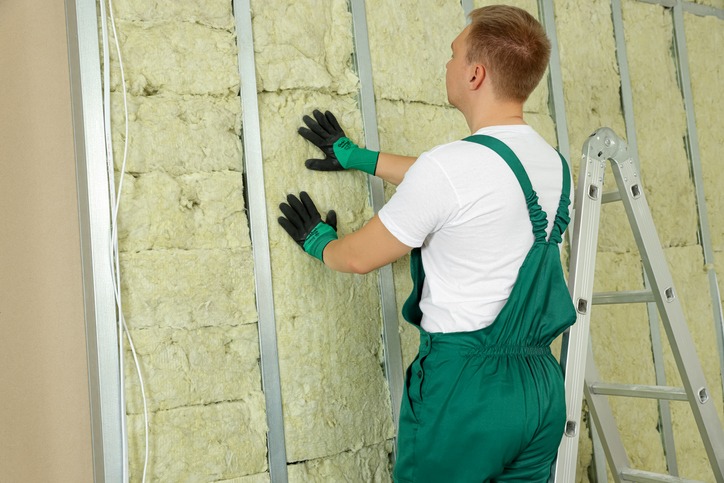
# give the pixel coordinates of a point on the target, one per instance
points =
(537, 215)
(562, 218)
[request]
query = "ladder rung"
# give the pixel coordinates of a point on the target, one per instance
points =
(639, 390)
(628, 297)
(629, 474)
(610, 197)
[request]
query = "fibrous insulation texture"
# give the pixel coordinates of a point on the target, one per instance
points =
(336, 404)
(186, 260)
(187, 264)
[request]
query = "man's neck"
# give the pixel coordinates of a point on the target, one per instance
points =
(494, 113)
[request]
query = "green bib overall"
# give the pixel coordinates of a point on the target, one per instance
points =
(489, 405)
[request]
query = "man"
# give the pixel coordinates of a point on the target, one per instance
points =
(483, 217)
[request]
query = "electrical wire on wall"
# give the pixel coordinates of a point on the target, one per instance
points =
(115, 199)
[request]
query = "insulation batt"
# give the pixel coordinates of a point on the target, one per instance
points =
(706, 67)
(303, 45)
(365, 465)
(187, 273)
(201, 443)
(198, 297)
(334, 393)
(212, 13)
(620, 337)
(656, 95)
(179, 134)
(414, 70)
(591, 83)
(154, 56)
(692, 287)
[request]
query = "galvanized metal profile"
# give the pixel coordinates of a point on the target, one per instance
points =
(390, 319)
(94, 210)
(626, 91)
(467, 8)
(555, 79)
(667, 432)
(254, 172)
(691, 7)
(692, 146)
(702, 10)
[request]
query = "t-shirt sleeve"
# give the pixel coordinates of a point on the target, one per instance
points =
(424, 201)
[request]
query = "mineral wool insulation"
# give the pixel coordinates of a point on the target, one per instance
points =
(187, 268)
(186, 258)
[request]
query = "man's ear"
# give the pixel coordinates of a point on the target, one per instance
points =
(476, 77)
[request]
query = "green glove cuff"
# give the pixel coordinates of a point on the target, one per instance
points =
(318, 238)
(351, 156)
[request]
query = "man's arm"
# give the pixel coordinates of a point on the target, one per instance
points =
(367, 249)
(341, 153)
(392, 167)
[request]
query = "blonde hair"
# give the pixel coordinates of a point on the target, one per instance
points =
(512, 45)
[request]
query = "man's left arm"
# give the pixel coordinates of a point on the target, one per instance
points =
(367, 249)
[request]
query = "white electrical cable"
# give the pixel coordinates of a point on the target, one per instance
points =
(114, 252)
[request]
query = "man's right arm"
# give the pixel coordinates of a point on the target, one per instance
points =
(392, 167)
(341, 153)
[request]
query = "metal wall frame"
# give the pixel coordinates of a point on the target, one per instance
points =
(94, 210)
(259, 230)
(392, 349)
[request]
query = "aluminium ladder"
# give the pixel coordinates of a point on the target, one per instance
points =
(581, 375)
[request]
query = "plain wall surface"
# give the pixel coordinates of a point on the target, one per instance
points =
(44, 409)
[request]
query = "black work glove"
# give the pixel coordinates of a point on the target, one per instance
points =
(323, 131)
(304, 224)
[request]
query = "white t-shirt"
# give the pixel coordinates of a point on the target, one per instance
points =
(463, 205)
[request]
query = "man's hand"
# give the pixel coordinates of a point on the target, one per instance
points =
(304, 224)
(324, 132)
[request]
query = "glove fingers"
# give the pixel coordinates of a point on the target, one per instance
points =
(331, 219)
(322, 120)
(333, 122)
(311, 137)
(315, 127)
(309, 206)
(288, 227)
(329, 164)
(292, 216)
(301, 210)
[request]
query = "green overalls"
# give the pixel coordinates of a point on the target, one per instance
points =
(489, 405)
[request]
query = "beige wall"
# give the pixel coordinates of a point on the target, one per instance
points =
(44, 409)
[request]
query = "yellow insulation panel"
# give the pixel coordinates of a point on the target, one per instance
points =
(357, 465)
(706, 67)
(179, 134)
(411, 66)
(334, 392)
(176, 57)
(186, 261)
(660, 122)
(303, 45)
(201, 443)
(692, 288)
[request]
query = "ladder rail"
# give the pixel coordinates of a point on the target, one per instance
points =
(582, 262)
(662, 285)
(581, 374)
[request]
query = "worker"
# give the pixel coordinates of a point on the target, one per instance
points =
(483, 219)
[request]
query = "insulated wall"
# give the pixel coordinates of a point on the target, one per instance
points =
(186, 264)
(336, 404)
(592, 86)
